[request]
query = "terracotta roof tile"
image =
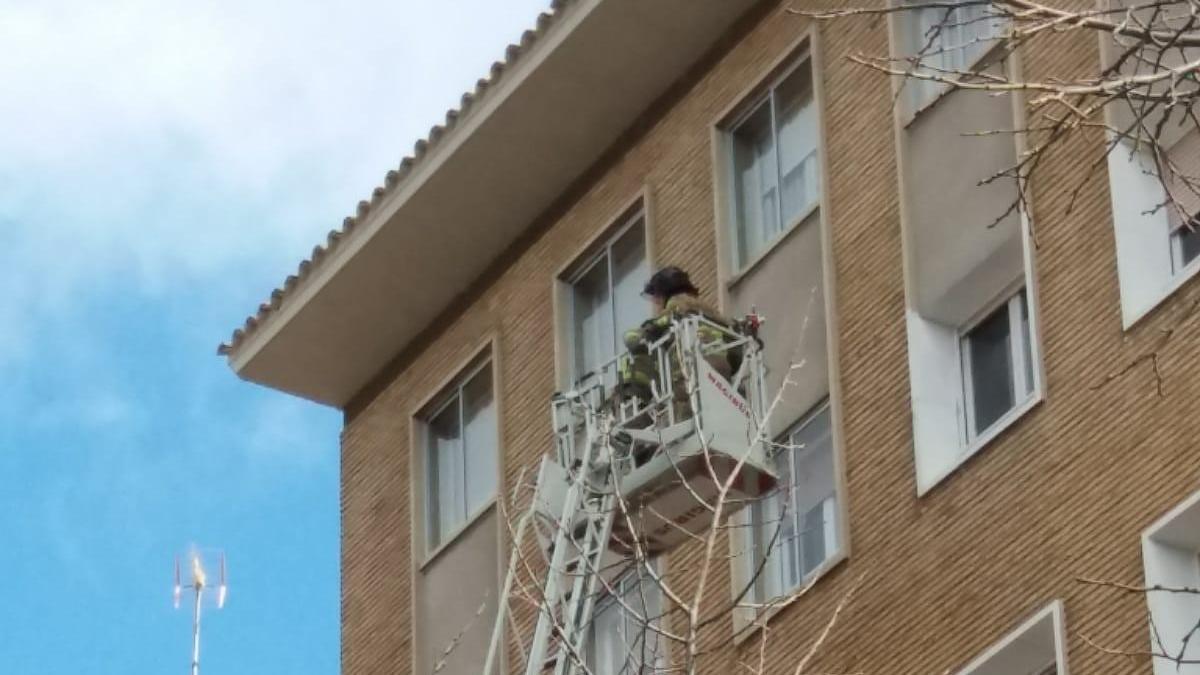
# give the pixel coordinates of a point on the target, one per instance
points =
(394, 177)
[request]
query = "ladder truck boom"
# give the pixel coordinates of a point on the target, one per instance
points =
(637, 475)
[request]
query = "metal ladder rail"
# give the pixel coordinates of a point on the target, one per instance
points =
(585, 569)
(569, 552)
(503, 614)
(577, 614)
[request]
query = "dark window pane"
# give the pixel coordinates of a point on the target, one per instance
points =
(814, 484)
(991, 368)
(629, 270)
(479, 437)
(1189, 242)
(756, 181)
(813, 538)
(593, 319)
(446, 504)
(796, 119)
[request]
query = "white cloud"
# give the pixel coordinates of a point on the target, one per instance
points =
(251, 82)
(151, 143)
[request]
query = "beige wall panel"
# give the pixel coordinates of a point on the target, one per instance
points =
(786, 287)
(450, 591)
(961, 261)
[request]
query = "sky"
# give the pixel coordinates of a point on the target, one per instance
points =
(163, 165)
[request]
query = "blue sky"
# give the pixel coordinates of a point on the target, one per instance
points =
(165, 164)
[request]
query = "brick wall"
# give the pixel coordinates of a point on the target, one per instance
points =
(1064, 493)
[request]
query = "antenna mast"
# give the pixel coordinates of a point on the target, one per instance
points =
(202, 591)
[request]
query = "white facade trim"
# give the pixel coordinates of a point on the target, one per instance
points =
(1012, 654)
(1145, 261)
(1171, 558)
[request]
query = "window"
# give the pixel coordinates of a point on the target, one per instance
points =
(772, 241)
(974, 363)
(774, 254)
(1156, 247)
(997, 364)
(1185, 246)
(461, 455)
(969, 383)
(798, 522)
(623, 640)
(951, 41)
(1171, 558)
(776, 174)
(605, 298)
(1036, 647)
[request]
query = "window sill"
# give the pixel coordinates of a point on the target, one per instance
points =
(743, 631)
(456, 534)
(771, 246)
(983, 440)
(1177, 281)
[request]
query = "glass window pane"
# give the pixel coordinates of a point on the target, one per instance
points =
(793, 552)
(606, 654)
(1188, 240)
(777, 530)
(814, 484)
(764, 521)
(756, 179)
(800, 516)
(813, 449)
(630, 271)
(644, 598)
(991, 368)
(446, 503)
(592, 315)
(620, 641)
(978, 25)
(796, 118)
(956, 37)
(951, 40)
(812, 540)
(480, 439)
(927, 39)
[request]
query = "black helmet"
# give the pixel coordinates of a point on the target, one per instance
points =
(668, 282)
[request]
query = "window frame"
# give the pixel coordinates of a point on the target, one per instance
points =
(1022, 362)
(938, 456)
(1055, 614)
(934, 347)
(806, 47)
(1150, 268)
(1181, 268)
(763, 94)
(598, 250)
(754, 539)
(925, 94)
(1170, 547)
(452, 395)
(608, 601)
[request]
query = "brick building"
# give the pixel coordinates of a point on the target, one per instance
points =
(982, 422)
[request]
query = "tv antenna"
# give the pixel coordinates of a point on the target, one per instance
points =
(195, 570)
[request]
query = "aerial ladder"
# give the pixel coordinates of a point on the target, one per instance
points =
(630, 472)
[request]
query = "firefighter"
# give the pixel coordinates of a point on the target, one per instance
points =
(672, 295)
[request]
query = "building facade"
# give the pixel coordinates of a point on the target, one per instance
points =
(985, 407)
